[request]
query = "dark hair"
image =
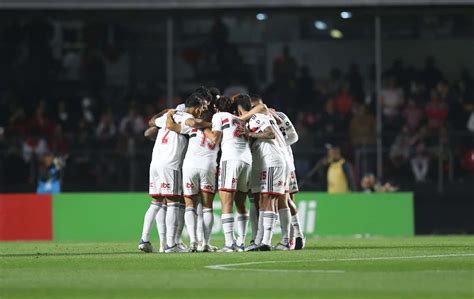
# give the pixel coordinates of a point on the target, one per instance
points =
(203, 93)
(214, 92)
(225, 104)
(243, 100)
(255, 98)
(193, 101)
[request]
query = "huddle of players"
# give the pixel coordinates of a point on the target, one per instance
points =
(254, 144)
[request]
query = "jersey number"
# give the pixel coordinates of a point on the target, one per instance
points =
(164, 140)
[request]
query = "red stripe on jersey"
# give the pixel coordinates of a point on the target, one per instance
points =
(253, 129)
(226, 120)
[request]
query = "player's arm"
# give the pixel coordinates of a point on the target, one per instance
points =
(151, 133)
(214, 136)
(291, 134)
(260, 108)
(198, 123)
(171, 124)
(151, 122)
(267, 133)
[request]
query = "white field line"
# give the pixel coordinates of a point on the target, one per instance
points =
(230, 267)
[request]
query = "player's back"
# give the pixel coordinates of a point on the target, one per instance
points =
(269, 152)
(201, 152)
(233, 145)
(170, 147)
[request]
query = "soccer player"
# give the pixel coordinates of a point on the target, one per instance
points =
(165, 173)
(234, 171)
(290, 135)
(199, 179)
(268, 174)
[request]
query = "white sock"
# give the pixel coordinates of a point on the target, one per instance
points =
(253, 219)
(259, 236)
(180, 223)
(242, 220)
(228, 228)
(207, 223)
(171, 223)
(190, 218)
(148, 220)
(269, 219)
(161, 225)
(285, 216)
(199, 227)
(295, 222)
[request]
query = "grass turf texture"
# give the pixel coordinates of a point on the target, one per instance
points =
(118, 270)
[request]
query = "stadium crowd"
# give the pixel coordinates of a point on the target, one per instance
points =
(71, 108)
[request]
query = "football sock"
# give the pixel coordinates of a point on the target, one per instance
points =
(295, 222)
(269, 219)
(161, 225)
(207, 223)
(199, 227)
(285, 225)
(180, 223)
(190, 218)
(242, 220)
(228, 228)
(259, 236)
(253, 219)
(148, 220)
(171, 223)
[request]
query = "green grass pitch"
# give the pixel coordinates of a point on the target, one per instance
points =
(421, 267)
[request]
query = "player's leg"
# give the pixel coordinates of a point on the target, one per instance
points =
(190, 218)
(171, 186)
(161, 226)
(144, 244)
(268, 220)
(240, 199)
(284, 215)
(227, 189)
(208, 220)
(199, 225)
(295, 221)
(208, 189)
(254, 196)
(180, 225)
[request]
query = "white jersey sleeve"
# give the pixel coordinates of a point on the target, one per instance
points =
(160, 122)
(267, 152)
(258, 123)
(180, 107)
(287, 129)
(217, 122)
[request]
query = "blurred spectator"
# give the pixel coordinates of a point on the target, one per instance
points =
(418, 92)
(34, 146)
(340, 176)
(392, 101)
(356, 82)
(132, 123)
(431, 75)
(49, 177)
(400, 149)
(106, 130)
(63, 116)
(285, 66)
(413, 115)
(59, 143)
(343, 100)
(41, 122)
(17, 123)
(436, 111)
(362, 127)
(420, 163)
(369, 184)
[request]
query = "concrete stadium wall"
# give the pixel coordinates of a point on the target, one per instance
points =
(119, 216)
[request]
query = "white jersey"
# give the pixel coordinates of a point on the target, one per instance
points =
(181, 107)
(233, 147)
(201, 153)
(267, 152)
(170, 147)
(288, 131)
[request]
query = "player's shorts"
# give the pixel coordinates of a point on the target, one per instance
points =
(273, 180)
(234, 176)
(196, 180)
(165, 182)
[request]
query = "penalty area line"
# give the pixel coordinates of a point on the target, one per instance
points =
(231, 267)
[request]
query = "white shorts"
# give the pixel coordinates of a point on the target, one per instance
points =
(273, 180)
(198, 180)
(234, 176)
(165, 182)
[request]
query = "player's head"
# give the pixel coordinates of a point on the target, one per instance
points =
(194, 105)
(242, 101)
(255, 99)
(203, 93)
(334, 152)
(225, 104)
(215, 93)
